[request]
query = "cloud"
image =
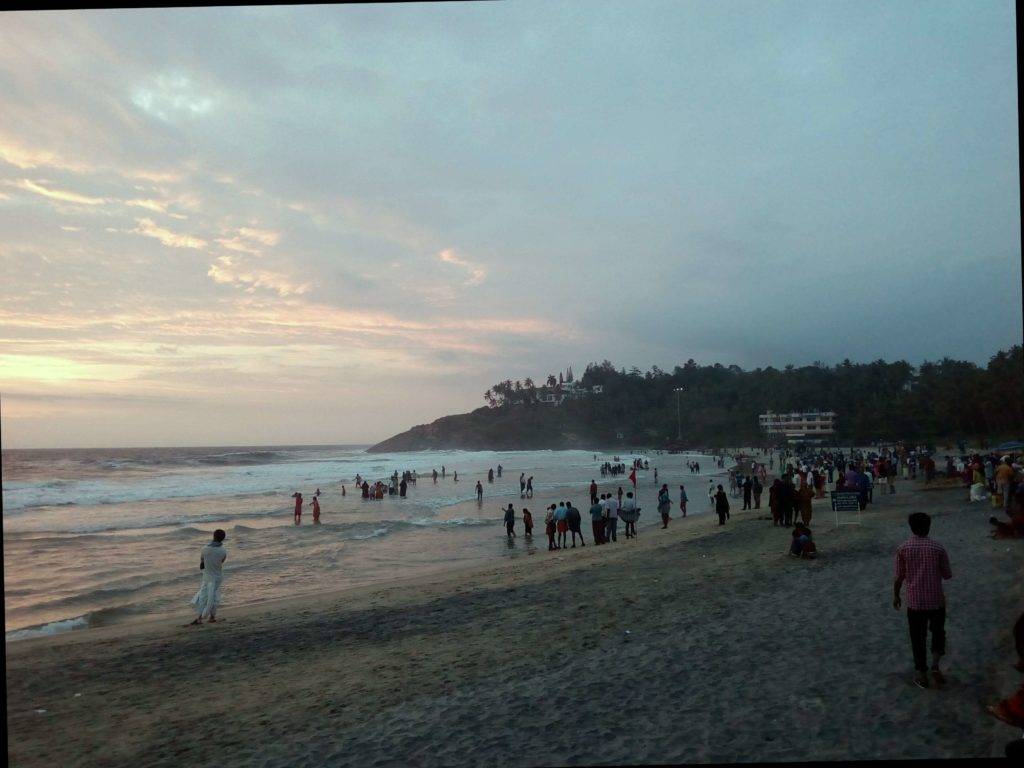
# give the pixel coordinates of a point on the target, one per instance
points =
(29, 159)
(59, 194)
(149, 228)
(477, 274)
(171, 95)
(225, 270)
(151, 205)
(246, 239)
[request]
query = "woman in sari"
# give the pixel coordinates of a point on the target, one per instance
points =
(775, 500)
(804, 497)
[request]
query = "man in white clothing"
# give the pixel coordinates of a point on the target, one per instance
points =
(211, 563)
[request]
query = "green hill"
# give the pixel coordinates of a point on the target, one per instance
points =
(944, 400)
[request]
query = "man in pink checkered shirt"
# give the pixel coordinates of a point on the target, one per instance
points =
(923, 564)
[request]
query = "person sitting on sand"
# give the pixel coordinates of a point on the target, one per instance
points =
(549, 527)
(1011, 710)
(211, 563)
(527, 523)
(802, 544)
(298, 507)
(510, 521)
(316, 510)
(923, 564)
(1011, 530)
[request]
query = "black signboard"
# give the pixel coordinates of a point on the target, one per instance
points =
(845, 501)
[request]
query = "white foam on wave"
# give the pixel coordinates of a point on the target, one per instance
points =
(53, 628)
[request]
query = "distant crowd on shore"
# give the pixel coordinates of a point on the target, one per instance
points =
(804, 476)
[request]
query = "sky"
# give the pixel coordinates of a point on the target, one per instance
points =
(326, 224)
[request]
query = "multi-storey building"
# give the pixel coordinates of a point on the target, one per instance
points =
(804, 426)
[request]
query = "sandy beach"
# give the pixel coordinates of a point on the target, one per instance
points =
(735, 652)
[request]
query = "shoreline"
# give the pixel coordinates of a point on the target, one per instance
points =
(726, 631)
(106, 617)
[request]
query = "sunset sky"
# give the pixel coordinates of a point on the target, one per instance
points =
(325, 224)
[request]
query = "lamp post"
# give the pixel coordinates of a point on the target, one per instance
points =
(679, 418)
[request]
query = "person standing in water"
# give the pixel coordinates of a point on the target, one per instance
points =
(522, 484)
(402, 487)
(510, 521)
(499, 470)
(593, 492)
(211, 563)
(682, 500)
(316, 510)
(529, 487)
(479, 492)
(664, 505)
(442, 472)
(298, 507)
(455, 477)
(490, 475)
(527, 523)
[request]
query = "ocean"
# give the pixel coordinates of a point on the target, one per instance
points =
(98, 536)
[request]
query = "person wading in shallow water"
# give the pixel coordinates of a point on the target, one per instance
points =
(510, 521)
(211, 563)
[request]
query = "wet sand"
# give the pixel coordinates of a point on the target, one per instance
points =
(736, 652)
